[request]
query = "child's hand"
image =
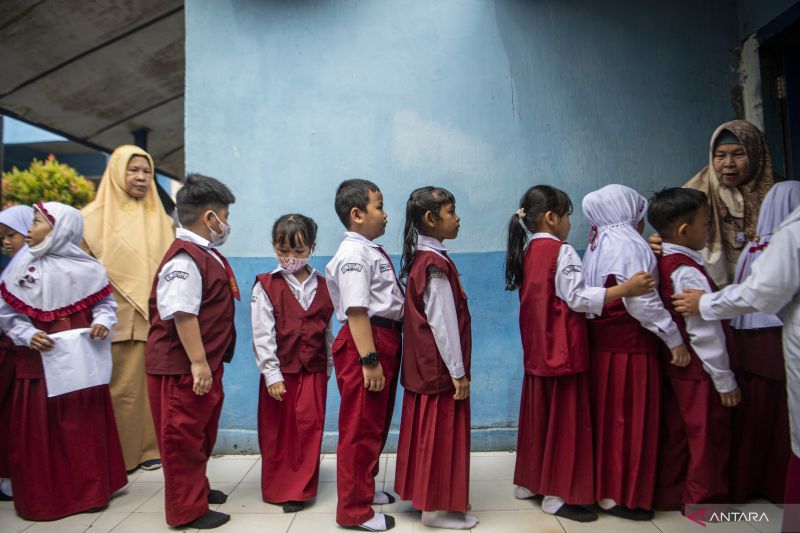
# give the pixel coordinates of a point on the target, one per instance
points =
(732, 398)
(681, 356)
(655, 241)
(41, 342)
(688, 302)
(202, 378)
(640, 283)
(373, 377)
(98, 330)
(277, 390)
(462, 388)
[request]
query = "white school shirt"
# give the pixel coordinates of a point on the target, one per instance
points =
(265, 345)
(706, 336)
(360, 276)
(440, 310)
(20, 329)
(772, 287)
(180, 285)
(569, 281)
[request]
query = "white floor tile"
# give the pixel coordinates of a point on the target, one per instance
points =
(150, 476)
(325, 501)
(391, 463)
(608, 524)
(254, 474)
(491, 467)
(225, 470)
(107, 521)
(257, 523)
(146, 523)
(246, 499)
(517, 522)
(497, 495)
(675, 522)
(327, 469)
(11, 523)
(133, 496)
(326, 523)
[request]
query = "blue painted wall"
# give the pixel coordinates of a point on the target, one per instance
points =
(286, 99)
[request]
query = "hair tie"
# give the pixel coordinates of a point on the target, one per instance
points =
(521, 213)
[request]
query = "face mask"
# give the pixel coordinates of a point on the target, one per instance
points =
(218, 239)
(292, 264)
(43, 247)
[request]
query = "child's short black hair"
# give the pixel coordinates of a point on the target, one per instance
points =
(673, 206)
(294, 229)
(198, 194)
(350, 194)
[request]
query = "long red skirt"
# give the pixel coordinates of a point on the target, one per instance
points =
(555, 455)
(290, 437)
(761, 443)
(693, 467)
(626, 388)
(6, 400)
(433, 452)
(364, 421)
(186, 428)
(65, 452)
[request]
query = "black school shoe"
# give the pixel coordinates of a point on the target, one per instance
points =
(293, 507)
(638, 514)
(217, 496)
(210, 520)
(5, 497)
(577, 513)
(389, 525)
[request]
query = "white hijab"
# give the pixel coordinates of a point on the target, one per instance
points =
(19, 218)
(780, 201)
(56, 278)
(615, 247)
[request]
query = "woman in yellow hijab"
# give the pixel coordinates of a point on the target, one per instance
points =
(128, 231)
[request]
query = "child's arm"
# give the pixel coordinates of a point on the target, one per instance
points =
(361, 330)
(104, 317)
(21, 331)
(571, 288)
(188, 328)
(265, 346)
(440, 308)
(708, 339)
(329, 338)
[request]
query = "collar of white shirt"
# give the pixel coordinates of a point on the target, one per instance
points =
(430, 242)
(544, 235)
(292, 279)
(357, 237)
(186, 235)
(668, 248)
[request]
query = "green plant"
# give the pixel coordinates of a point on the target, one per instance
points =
(46, 181)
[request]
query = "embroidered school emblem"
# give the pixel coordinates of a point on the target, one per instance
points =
(570, 269)
(351, 267)
(176, 274)
(385, 266)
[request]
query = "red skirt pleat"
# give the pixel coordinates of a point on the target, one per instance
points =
(555, 455)
(626, 389)
(290, 437)
(65, 451)
(761, 444)
(6, 400)
(433, 452)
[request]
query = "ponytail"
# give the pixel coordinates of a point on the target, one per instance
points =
(420, 202)
(515, 256)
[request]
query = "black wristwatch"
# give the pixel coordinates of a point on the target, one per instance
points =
(369, 359)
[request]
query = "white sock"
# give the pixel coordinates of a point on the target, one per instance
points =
(449, 520)
(376, 523)
(551, 504)
(380, 498)
(521, 493)
(5, 486)
(607, 503)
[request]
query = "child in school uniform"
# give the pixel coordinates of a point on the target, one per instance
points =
(65, 455)
(554, 448)
(291, 314)
(625, 345)
(697, 419)
(435, 423)
(191, 335)
(761, 442)
(14, 224)
(368, 300)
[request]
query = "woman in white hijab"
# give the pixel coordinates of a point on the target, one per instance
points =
(761, 448)
(625, 342)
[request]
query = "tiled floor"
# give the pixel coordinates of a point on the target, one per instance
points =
(139, 508)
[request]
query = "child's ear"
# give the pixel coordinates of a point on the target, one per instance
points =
(550, 218)
(428, 219)
(355, 215)
(682, 230)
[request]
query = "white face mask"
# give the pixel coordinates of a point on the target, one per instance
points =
(218, 239)
(292, 264)
(43, 247)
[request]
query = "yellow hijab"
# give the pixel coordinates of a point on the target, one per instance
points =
(128, 236)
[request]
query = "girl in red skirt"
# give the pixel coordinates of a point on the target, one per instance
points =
(291, 315)
(625, 342)
(65, 451)
(14, 224)
(761, 449)
(433, 449)
(554, 447)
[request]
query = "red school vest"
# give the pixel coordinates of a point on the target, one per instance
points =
(28, 362)
(555, 340)
(165, 354)
(300, 333)
(424, 372)
(667, 264)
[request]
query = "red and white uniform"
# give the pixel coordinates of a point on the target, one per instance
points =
(435, 428)
(196, 279)
(697, 428)
(292, 341)
(360, 274)
(554, 444)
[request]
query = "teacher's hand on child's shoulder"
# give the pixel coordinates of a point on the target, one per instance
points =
(41, 342)
(688, 302)
(655, 241)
